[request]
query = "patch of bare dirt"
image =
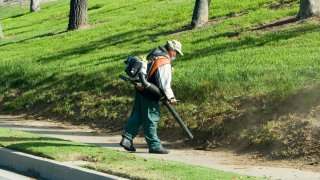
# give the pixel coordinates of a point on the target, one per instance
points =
(272, 133)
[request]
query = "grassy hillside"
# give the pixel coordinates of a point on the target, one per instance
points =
(235, 74)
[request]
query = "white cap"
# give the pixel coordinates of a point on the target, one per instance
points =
(176, 45)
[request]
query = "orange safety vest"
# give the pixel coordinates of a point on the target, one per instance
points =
(157, 63)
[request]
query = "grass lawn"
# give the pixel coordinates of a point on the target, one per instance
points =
(228, 65)
(106, 160)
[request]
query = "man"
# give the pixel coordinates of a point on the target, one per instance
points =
(146, 108)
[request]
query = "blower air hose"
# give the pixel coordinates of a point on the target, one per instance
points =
(156, 91)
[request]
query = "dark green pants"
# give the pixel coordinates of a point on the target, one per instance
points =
(145, 113)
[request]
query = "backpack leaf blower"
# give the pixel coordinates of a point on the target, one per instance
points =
(136, 70)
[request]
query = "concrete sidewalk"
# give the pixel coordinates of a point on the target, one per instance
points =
(221, 160)
(9, 175)
(48, 169)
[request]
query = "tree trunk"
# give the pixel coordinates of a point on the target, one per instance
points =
(200, 13)
(34, 5)
(1, 2)
(308, 8)
(78, 16)
(1, 35)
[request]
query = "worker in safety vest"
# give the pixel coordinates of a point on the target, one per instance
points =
(146, 108)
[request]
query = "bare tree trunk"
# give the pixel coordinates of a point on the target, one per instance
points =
(34, 5)
(1, 35)
(200, 13)
(78, 16)
(1, 2)
(308, 8)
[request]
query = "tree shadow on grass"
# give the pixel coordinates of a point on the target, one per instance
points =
(126, 37)
(34, 37)
(57, 33)
(17, 27)
(72, 89)
(250, 41)
(101, 44)
(18, 79)
(278, 23)
(15, 16)
(76, 81)
(132, 37)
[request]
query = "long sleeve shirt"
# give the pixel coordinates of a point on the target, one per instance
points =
(163, 78)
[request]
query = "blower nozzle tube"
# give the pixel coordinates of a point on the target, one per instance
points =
(156, 91)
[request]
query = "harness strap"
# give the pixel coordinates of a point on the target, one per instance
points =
(157, 63)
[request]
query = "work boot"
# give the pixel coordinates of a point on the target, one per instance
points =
(127, 144)
(159, 151)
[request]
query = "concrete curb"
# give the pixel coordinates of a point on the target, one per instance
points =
(47, 169)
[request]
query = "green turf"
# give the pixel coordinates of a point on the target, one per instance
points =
(46, 69)
(106, 160)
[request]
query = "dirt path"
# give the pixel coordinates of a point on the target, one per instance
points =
(222, 160)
